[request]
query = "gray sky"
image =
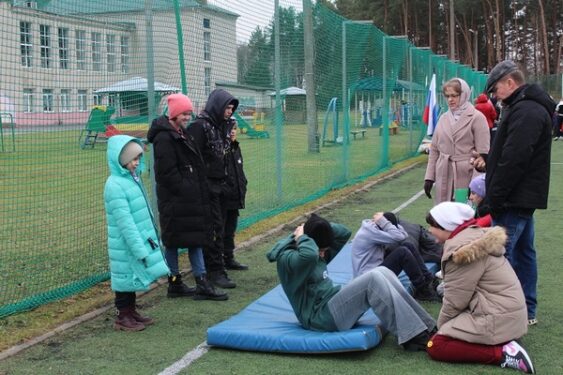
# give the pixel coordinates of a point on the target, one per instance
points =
(253, 13)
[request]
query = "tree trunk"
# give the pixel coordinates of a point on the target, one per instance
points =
(498, 33)
(488, 9)
(544, 38)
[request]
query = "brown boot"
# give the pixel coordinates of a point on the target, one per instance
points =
(126, 322)
(147, 321)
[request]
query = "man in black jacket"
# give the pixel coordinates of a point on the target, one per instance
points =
(517, 181)
(210, 133)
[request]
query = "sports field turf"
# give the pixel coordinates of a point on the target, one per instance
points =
(94, 348)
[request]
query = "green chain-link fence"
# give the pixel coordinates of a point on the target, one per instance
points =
(73, 73)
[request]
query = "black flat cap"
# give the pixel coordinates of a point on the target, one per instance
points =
(499, 71)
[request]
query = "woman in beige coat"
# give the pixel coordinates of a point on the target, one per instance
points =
(484, 310)
(461, 130)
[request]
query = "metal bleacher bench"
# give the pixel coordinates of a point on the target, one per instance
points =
(356, 132)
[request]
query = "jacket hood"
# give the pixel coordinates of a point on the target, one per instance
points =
(482, 99)
(115, 145)
(536, 93)
(218, 100)
(490, 243)
(158, 125)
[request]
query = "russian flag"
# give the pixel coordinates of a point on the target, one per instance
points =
(431, 110)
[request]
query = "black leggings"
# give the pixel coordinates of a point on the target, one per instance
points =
(125, 299)
(402, 258)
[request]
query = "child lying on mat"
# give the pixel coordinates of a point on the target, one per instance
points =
(321, 305)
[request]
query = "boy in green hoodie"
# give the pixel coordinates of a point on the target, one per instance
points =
(323, 306)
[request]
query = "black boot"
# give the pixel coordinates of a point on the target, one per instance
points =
(417, 343)
(232, 264)
(221, 280)
(204, 290)
(176, 288)
(426, 292)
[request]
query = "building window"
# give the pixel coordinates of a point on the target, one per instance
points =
(45, 44)
(28, 100)
(207, 82)
(96, 52)
(80, 49)
(97, 99)
(206, 23)
(110, 52)
(47, 100)
(26, 44)
(82, 100)
(63, 48)
(124, 54)
(206, 46)
(65, 100)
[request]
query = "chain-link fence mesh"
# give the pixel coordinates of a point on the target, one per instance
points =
(73, 73)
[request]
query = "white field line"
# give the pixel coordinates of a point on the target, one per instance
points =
(202, 348)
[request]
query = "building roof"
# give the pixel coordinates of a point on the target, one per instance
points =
(136, 84)
(291, 91)
(68, 7)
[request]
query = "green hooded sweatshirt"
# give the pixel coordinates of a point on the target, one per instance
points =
(304, 277)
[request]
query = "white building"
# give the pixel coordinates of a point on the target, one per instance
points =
(55, 54)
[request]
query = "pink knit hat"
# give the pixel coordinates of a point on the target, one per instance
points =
(178, 103)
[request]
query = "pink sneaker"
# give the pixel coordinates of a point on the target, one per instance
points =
(514, 356)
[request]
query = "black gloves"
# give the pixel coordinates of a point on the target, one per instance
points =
(428, 187)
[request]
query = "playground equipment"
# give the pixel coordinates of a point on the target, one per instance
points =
(96, 126)
(9, 124)
(331, 110)
(248, 130)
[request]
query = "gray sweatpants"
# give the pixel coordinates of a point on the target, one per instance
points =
(380, 290)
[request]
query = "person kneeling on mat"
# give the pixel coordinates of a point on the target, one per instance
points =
(484, 310)
(321, 305)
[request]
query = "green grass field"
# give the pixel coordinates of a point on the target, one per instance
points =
(94, 348)
(53, 230)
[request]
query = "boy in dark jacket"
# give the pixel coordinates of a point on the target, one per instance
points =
(234, 197)
(323, 306)
(209, 132)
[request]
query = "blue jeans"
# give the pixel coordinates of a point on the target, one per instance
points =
(521, 253)
(196, 259)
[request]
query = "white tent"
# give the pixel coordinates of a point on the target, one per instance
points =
(136, 84)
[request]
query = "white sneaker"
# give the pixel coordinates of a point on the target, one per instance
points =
(514, 356)
(556, 138)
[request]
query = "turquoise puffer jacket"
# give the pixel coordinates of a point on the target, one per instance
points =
(135, 256)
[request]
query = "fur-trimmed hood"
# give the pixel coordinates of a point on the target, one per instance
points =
(475, 243)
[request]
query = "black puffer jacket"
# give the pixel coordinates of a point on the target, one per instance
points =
(181, 188)
(235, 189)
(518, 164)
(209, 131)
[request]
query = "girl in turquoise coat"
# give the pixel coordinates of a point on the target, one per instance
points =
(135, 257)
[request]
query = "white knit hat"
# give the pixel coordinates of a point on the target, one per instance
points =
(129, 152)
(451, 214)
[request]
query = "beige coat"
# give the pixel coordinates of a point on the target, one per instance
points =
(450, 151)
(483, 300)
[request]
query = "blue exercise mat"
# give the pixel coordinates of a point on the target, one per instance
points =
(270, 325)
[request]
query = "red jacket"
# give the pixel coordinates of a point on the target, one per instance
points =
(486, 107)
